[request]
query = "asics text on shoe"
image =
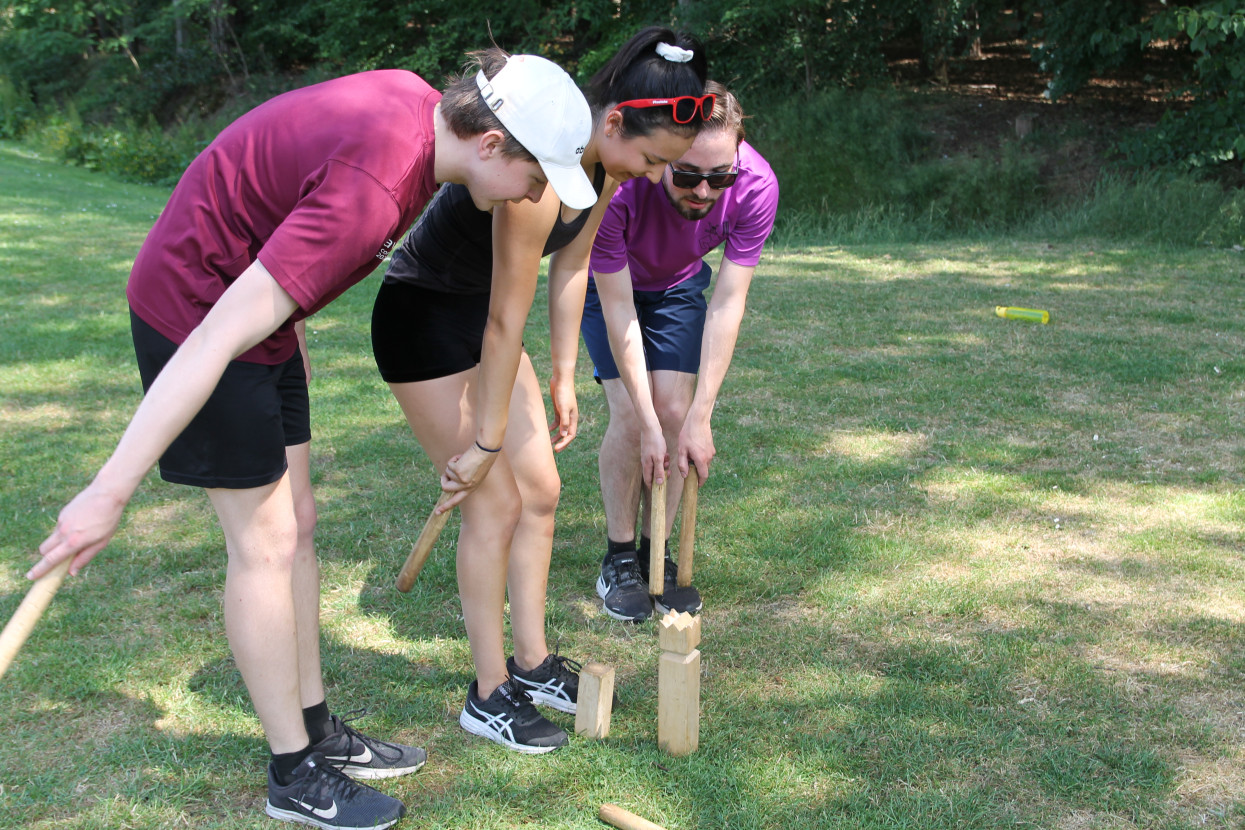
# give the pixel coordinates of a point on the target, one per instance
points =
(509, 718)
(554, 683)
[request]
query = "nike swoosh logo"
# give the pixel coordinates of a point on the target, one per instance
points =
(364, 757)
(329, 813)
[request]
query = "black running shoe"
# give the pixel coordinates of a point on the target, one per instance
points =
(362, 757)
(623, 589)
(673, 598)
(554, 682)
(321, 795)
(509, 718)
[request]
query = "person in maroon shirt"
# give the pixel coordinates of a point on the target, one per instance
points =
(290, 205)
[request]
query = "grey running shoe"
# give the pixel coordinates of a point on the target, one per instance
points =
(362, 757)
(623, 589)
(673, 598)
(321, 795)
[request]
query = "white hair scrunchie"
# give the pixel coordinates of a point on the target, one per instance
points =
(674, 54)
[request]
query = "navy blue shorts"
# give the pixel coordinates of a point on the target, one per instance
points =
(238, 439)
(421, 334)
(672, 323)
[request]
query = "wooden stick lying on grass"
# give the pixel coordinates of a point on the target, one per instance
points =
(625, 819)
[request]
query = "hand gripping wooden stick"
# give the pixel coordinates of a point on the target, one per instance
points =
(423, 545)
(29, 612)
(625, 819)
(657, 539)
(687, 527)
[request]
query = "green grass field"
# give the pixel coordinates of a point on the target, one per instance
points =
(959, 571)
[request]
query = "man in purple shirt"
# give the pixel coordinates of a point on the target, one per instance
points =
(661, 352)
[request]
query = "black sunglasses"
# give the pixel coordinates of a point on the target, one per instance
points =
(687, 180)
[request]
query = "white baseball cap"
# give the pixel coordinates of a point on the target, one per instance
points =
(539, 104)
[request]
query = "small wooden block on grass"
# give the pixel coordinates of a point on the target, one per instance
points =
(678, 684)
(596, 698)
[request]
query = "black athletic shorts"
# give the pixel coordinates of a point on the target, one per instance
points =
(421, 334)
(238, 439)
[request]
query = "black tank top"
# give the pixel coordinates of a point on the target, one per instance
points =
(450, 249)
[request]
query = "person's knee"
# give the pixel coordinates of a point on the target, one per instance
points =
(496, 515)
(671, 412)
(306, 516)
(624, 424)
(265, 547)
(541, 499)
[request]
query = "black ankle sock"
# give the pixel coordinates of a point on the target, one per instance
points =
(644, 546)
(613, 547)
(318, 722)
(285, 763)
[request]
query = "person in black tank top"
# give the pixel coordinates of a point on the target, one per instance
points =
(447, 335)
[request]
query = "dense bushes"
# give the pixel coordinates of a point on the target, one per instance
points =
(129, 152)
(135, 88)
(857, 166)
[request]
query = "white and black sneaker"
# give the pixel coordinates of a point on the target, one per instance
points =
(673, 598)
(554, 683)
(360, 756)
(321, 795)
(623, 588)
(509, 718)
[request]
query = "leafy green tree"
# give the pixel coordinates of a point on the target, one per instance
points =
(783, 46)
(1212, 129)
(1076, 39)
(1073, 40)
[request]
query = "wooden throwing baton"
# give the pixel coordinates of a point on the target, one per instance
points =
(657, 539)
(687, 527)
(423, 545)
(28, 613)
(625, 819)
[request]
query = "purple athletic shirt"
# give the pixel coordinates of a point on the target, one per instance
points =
(642, 230)
(317, 184)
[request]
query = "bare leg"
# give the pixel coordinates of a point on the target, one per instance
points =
(440, 414)
(306, 577)
(530, 453)
(672, 398)
(619, 464)
(261, 536)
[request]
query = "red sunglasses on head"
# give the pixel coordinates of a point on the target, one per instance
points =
(685, 107)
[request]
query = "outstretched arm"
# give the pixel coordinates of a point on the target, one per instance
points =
(726, 310)
(568, 283)
(250, 309)
(626, 343)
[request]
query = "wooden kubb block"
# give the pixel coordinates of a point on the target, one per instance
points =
(596, 698)
(678, 684)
